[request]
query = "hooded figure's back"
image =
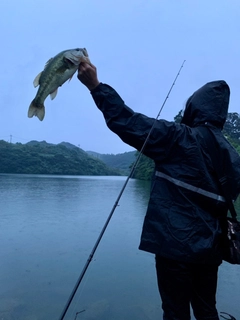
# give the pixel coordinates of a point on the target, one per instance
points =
(209, 106)
(186, 199)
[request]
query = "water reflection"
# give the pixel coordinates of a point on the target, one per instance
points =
(49, 227)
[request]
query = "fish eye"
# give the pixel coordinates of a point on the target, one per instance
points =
(77, 49)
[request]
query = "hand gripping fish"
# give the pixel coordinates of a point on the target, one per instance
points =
(57, 71)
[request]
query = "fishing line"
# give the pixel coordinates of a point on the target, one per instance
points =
(115, 205)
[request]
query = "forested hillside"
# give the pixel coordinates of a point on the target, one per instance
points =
(121, 161)
(231, 131)
(45, 158)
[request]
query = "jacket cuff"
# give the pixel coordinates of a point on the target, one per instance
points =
(96, 88)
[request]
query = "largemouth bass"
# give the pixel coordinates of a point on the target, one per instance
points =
(57, 71)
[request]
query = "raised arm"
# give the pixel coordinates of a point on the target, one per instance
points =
(130, 126)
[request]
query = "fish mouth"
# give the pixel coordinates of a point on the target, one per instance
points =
(84, 51)
(80, 56)
(85, 57)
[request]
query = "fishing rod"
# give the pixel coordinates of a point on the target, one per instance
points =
(115, 205)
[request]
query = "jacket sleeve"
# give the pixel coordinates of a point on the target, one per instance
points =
(132, 127)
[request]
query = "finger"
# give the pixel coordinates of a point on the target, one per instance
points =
(82, 65)
(88, 65)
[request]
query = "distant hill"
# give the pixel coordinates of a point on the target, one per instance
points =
(45, 158)
(121, 161)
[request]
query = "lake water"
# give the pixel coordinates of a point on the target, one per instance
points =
(49, 225)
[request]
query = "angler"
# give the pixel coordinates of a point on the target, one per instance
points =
(182, 224)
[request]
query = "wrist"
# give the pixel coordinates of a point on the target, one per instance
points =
(92, 86)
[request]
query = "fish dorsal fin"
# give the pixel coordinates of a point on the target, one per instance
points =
(36, 80)
(53, 94)
(48, 62)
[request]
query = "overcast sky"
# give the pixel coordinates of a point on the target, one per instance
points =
(138, 47)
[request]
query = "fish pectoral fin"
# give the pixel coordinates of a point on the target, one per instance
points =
(53, 94)
(36, 111)
(36, 80)
(71, 77)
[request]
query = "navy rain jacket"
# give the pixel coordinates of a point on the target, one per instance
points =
(181, 221)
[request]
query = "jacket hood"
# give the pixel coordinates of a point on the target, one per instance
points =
(208, 104)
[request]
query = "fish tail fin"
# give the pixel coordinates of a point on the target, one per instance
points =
(36, 110)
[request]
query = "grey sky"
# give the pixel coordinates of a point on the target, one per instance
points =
(138, 48)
